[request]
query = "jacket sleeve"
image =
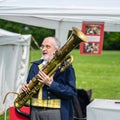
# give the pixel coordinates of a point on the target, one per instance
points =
(32, 72)
(65, 86)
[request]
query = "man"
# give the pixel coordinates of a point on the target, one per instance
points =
(54, 100)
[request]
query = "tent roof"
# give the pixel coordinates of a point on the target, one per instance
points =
(62, 14)
(67, 10)
(7, 37)
(7, 33)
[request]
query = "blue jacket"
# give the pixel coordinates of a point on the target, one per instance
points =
(63, 87)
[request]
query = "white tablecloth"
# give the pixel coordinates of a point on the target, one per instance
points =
(103, 109)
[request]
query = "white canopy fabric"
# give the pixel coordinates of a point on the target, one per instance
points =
(61, 15)
(14, 56)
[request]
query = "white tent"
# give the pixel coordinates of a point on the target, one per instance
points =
(61, 15)
(14, 54)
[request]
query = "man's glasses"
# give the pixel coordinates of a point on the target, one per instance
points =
(45, 46)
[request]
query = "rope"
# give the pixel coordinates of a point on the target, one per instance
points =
(35, 42)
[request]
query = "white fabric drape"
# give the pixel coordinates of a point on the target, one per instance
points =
(103, 109)
(14, 54)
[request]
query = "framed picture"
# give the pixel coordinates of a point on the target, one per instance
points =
(95, 33)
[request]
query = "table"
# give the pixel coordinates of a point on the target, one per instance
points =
(103, 109)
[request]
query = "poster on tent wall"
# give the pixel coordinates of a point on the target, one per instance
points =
(95, 33)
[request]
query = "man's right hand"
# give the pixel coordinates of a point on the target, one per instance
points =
(24, 88)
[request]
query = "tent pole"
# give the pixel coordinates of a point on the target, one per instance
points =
(5, 115)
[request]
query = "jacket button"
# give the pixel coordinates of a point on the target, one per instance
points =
(48, 97)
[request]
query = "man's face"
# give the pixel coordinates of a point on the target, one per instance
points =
(48, 48)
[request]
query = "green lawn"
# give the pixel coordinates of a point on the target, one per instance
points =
(99, 73)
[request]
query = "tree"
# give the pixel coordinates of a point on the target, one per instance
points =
(111, 39)
(38, 33)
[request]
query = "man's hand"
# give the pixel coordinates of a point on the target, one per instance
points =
(24, 87)
(45, 78)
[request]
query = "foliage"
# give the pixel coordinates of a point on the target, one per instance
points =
(111, 39)
(38, 33)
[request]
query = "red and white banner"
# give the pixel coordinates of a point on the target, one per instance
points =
(95, 34)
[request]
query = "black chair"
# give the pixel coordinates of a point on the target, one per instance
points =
(80, 103)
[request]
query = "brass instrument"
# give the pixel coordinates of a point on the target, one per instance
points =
(60, 56)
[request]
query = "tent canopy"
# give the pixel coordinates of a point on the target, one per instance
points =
(61, 15)
(14, 57)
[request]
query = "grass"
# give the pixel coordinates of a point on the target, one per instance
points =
(99, 73)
